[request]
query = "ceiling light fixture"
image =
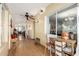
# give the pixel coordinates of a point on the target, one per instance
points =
(42, 10)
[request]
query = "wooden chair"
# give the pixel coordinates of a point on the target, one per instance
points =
(49, 45)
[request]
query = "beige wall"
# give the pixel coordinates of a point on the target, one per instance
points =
(39, 27)
(5, 33)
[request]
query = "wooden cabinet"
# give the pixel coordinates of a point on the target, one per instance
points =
(57, 47)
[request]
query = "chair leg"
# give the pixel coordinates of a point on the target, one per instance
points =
(50, 52)
(45, 51)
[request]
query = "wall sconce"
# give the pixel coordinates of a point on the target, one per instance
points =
(36, 21)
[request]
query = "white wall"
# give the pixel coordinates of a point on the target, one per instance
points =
(0, 23)
(30, 29)
(9, 30)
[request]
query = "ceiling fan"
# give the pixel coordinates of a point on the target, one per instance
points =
(29, 17)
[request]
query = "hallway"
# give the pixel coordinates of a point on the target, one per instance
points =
(52, 26)
(27, 47)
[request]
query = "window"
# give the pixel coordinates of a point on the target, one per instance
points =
(67, 20)
(64, 20)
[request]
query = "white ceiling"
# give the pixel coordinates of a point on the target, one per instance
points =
(22, 8)
(18, 9)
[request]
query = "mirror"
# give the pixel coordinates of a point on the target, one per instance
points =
(52, 21)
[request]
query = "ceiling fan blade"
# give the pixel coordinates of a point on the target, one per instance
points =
(32, 17)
